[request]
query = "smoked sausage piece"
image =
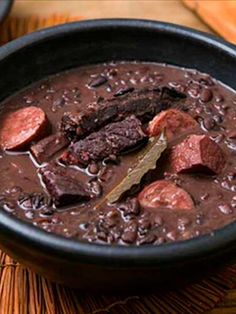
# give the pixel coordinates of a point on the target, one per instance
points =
(173, 121)
(197, 153)
(21, 127)
(165, 193)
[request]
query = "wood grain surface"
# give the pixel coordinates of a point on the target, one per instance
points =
(164, 10)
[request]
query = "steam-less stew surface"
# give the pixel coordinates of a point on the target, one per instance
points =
(121, 153)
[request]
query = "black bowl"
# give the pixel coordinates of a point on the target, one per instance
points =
(5, 6)
(92, 266)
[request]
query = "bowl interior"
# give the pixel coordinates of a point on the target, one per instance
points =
(56, 49)
(35, 56)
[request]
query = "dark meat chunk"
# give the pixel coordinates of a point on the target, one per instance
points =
(144, 104)
(110, 140)
(197, 153)
(45, 149)
(62, 185)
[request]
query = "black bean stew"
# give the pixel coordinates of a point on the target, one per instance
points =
(121, 153)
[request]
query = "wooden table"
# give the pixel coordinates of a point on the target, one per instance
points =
(163, 10)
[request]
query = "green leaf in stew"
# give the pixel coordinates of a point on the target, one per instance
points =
(145, 160)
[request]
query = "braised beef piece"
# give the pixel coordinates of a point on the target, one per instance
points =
(45, 149)
(110, 140)
(144, 104)
(62, 185)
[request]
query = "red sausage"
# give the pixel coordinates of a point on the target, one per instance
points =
(197, 153)
(21, 127)
(165, 194)
(173, 121)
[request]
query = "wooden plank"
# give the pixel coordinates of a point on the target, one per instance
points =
(170, 11)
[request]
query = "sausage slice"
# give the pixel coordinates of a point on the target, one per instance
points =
(197, 153)
(21, 127)
(173, 121)
(167, 194)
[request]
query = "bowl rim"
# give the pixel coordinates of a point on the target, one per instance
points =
(5, 7)
(115, 255)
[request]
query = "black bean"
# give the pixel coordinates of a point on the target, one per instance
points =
(206, 95)
(208, 123)
(116, 232)
(84, 225)
(218, 118)
(8, 206)
(129, 236)
(150, 238)
(206, 81)
(112, 72)
(225, 107)
(144, 224)
(193, 92)
(58, 103)
(109, 88)
(130, 207)
(123, 91)
(198, 111)
(46, 212)
(100, 226)
(98, 81)
(93, 168)
(112, 159)
(102, 236)
(132, 226)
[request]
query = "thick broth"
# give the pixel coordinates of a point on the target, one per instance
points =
(214, 195)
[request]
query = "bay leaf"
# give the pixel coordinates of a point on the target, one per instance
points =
(145, 160)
